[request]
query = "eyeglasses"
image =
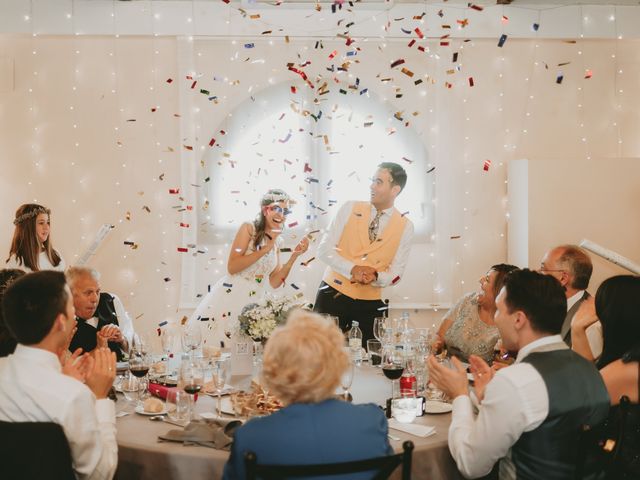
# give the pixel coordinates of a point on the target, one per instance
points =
(549, 270)
(280, 210)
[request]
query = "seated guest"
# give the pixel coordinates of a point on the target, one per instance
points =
(531, 413)
(7, 342)
(468, 328)
(572, 267)
(303, 364)
(38, 309)
(102, 319)
(616, 306)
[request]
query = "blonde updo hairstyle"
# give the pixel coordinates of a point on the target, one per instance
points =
(305, 359)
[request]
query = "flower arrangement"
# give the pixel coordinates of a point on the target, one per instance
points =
(258, 321)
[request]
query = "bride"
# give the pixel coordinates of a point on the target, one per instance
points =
(254, 262)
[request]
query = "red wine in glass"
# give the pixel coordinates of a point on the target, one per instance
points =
(192, 389)
(392, 372)
(139, 371)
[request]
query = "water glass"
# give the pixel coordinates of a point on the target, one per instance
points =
(379, 324)
(346, 380)
(177, 405)
(129, 387)
(374, 349)
(404, 409)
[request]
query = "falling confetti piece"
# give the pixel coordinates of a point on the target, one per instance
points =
(336, 281)
(504, 20)
(407, 72)
(419, 32)
(249, 45)
(479, 8)
(454, 237)
(227, 285)
(306, 263)
(294, 286)
(471, 81)
(333, 54)
(167, 279)
(486, 165)
(169, 80)
(463, 23)
(294, 224)
(405, 214)
(146, 209)
(185, 225)
(212, 142)
(183, 249)
(400, 61)
(588, 74)
(395, 280)
(559, 78)
(503, 38)
(174, 191)
(431, 169)
(536, 26)
(162, 324)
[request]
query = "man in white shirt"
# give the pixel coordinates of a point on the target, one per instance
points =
(39, 311)
(572, 267)
(530, 413)
(102, 319)
(366, 249)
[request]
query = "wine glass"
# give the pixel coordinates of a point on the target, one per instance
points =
(192, 337)
(220, 375)
(346, 380)
(191, 379)
(392, 366)
(139, 364)
(378, 327)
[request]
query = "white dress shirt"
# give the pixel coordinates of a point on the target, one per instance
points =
(515, 401)
(124, 320)
(43, 263)
(327, 250)
(35, 390)
(594, 331)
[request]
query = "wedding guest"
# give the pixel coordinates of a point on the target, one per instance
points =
(7, 341)
(31, 249)
(102, 319)
(303, 364)
(39, 311)
(366, 249)
(616, 306)
(468, 328)
(572, 267)
(530, 413)
(253, 269)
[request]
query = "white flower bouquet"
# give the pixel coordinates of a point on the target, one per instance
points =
(258, 321)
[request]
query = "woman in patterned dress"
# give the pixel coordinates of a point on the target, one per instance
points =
(468, 328)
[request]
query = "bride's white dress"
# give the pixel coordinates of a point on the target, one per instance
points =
(218, 311)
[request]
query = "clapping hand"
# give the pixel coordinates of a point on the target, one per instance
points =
(76, 365)
(363, 274)
(482, 375)
(453, 382)
(101, 377)
(110, 333)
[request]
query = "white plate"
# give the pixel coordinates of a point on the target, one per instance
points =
(434, 406)
(140, 410)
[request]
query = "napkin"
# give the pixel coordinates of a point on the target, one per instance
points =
(214, 434)
(413, 429)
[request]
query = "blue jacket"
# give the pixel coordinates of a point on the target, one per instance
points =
(331, 431)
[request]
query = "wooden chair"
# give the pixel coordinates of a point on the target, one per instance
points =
(35, 450)
(383, 466)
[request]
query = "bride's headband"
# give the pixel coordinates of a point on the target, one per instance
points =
(33, 213)
(277, 197)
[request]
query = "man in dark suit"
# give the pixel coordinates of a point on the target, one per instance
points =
(101, 317)
(303, 364)
(572, 267)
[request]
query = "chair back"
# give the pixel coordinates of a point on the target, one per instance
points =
(382, 466)
(35, 450)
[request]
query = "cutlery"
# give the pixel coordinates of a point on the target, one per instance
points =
(160, 418)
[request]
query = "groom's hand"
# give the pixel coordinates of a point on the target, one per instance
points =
(363, 274)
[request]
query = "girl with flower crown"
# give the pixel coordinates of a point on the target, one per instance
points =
(31, 248)
(253, 266)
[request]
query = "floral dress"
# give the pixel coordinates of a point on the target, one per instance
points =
(219, 309)
(468, 334)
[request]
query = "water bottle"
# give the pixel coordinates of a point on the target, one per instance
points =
(355, 343)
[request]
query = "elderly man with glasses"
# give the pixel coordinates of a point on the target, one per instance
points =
(572, 267)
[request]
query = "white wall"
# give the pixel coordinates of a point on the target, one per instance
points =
(515, 110)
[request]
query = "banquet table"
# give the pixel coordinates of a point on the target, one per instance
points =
(141, 456)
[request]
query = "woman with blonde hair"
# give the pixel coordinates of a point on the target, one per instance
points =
(31, 249)
(253, 269)
(303, 364)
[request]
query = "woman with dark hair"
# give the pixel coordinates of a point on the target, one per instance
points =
(31, 248)
(7, 342)
(617, 306)
(254, 263)
(468, 328)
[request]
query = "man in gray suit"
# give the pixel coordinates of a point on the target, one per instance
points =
(572, 267)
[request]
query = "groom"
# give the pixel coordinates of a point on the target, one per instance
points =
(365, 249)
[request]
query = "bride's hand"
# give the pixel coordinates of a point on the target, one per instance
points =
(303, 246)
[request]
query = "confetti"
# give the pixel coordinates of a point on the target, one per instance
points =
(407, 72)
(174, 191)
(212, 142)
(503, 38)
(431, 169)
(336, 281)
(162, 324)
(395, 280)
(486, 165)
(463, 23)
(183, 249)
(471, 81)
(419, 32)
(333, 54)
(504, 20)
(169, 80)
(249, 45)
(185, 225)
(588, 74)
(307, 168)
(293, 89)
(227, 285)
(559, 78)
(167, 279)
(405, 214)
(146, 209)
(294, 286)
(536, 26)
(400, 61)
(306, 263)
(479, 8)
(454, 237)
(293, 224)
